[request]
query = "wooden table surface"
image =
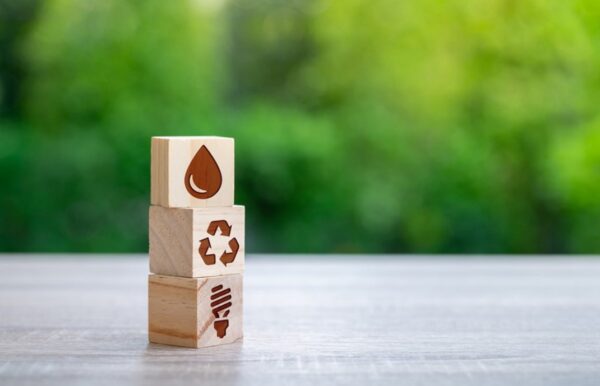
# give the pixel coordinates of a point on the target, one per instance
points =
(81, 319)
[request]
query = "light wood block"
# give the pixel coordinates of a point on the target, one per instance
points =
(197, 242)
(195, 312)
(192, 171)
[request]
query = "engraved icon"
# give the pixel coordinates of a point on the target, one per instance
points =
(227, 257)
(220, 304)
(203, 177)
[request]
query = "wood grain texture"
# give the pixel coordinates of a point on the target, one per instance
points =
(186, 311)
(176, 236)
(353, 320)
(170, 158)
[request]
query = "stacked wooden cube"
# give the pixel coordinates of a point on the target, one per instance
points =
(196, 243)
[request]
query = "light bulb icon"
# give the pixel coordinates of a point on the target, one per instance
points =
(220, 304)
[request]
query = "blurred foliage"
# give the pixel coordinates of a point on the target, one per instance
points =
(360, 126)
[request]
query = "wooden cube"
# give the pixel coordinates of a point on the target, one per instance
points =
(192, 171)
(197, 242)
(195, 312)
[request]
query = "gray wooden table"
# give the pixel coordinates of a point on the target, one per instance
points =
(312, 320)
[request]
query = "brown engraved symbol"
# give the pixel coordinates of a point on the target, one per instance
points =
(226, 257)
(203, 177)
(220, 308)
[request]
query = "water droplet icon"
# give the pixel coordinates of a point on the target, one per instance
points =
(203, 177)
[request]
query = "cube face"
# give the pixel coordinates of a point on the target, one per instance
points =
(192, 242)
(192, 172)
(195, 312)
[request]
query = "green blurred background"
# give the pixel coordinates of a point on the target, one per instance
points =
(457, 126)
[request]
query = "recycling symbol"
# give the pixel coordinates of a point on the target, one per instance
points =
(226, 257)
